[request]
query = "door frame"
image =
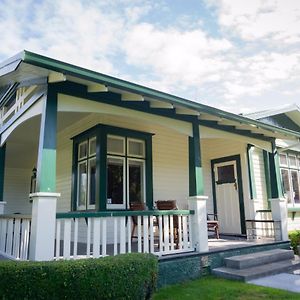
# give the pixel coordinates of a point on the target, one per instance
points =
(237, 159)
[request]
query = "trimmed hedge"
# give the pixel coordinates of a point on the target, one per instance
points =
(126, 276)
(294, 236)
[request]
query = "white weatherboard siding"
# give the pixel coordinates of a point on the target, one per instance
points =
(261, 200)
(16, 191)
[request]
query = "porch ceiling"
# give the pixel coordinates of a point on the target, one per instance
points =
(30, 67)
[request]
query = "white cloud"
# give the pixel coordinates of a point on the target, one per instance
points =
(277, 21)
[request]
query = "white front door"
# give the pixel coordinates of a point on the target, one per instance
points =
(227, 197)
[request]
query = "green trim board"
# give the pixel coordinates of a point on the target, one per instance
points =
(101, 131)
(275, 178)
(46, 166)
(196, 181)
(68, 69)
(237, 159)
(80, 91)
(123, 213)
(252, 184)
(267, 175)
(2, 171)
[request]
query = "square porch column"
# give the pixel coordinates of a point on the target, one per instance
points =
(197, 200)
(44, 200)
(277, 201)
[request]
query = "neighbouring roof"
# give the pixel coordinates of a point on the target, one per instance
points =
(28, 66)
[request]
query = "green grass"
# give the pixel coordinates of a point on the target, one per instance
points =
(216, 288)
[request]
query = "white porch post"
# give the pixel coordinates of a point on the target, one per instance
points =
(43, 226)
(279, 213)
(199, 223)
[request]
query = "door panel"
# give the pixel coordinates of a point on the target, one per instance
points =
(227, 197)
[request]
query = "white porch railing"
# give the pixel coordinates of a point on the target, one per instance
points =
(15, 236)
(99, 234)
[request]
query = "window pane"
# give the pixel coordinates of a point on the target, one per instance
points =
(82, 184)
(92, 149)
(136, 148)
(286, 184)
(136, 181)
(115, 145)
(283, 159)
(82, 150)
(115, 180)
(292, 160)
(92, 181)
(226, 174)
(295, 186)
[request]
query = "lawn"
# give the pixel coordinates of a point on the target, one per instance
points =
(216, 288)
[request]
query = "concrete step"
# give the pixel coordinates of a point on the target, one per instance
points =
(258, 271)
(258, 258)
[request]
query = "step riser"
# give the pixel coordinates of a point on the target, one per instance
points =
(229, 275)
(257, 261)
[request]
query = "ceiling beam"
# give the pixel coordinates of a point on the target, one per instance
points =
(209, 117)
(186, 111)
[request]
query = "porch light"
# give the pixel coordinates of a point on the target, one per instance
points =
(33, 181)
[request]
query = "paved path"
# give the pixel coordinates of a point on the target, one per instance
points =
(284, 281)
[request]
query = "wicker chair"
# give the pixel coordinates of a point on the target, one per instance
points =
(213, 224)
(136, 206)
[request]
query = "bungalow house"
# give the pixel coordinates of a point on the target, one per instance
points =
(288, 117)
(78, 148)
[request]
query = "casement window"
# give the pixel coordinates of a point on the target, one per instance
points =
(112, 167)
(289, 169)
(86, 174)
(125, 171)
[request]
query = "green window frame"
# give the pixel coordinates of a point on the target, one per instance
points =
(122, 169)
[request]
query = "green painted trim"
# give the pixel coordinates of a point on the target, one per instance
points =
(2, 171)
(149, 173)
(237, 159)
(124, 213)
(52, 64)
(252, 184)
(73, 89)
(47, 177)
(267, 175)
(291, 209)
(46, 166)
(196, 181)
(275, 178)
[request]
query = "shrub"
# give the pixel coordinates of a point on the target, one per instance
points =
(126, 276)
(294, 236)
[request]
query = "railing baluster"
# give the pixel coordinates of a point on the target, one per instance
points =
(185, 233)
(88, 239)
(115, 236)
(3, 234)
(9, 240)
(172, 232)
(146, 235)
(75, 246)
(122, 235)
(151, 228)
(160, 234)
(96, 238)
(180, 232)
(25, 240)
(104, 240)
(166, 232)
(67, 239)
(139, 233)
(57, 252)
(17, 233)
(129, 234)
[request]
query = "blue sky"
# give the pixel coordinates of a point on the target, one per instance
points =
(240, 56)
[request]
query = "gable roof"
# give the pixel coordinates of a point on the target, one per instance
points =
(28, 66)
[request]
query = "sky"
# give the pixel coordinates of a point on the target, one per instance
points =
(240, 56)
